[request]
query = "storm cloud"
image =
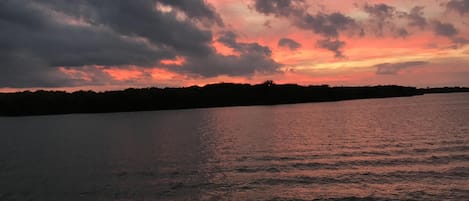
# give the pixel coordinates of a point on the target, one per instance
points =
(34, 42)
(38, 38)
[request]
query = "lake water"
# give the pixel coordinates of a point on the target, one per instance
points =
(410, 148)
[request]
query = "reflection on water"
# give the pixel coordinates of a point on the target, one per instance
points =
(376, 149)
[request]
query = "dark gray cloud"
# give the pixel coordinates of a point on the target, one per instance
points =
(280, 8)
(197, 10)
(34, 43)
(327, 25)
(460, 6)
(444, 29)
(140, 18)
(37, 38)
(252, 58)
(416, 18)
(21, 69)
(288, 43)
(381, 17)
(384, 19)
(381, 11)
(229, 39)
(394, 68)
(332, 45)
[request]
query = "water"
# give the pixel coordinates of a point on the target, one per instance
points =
(411, 148)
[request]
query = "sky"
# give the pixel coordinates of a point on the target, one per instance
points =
(116, 44)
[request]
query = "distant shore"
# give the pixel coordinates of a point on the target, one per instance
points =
(213, 95)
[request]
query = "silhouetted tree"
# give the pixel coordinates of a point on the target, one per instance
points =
(212, 95)
(268, 83)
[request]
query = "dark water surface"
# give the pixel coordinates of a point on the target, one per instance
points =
(412, 148)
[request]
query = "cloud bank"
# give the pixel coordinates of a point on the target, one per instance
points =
(38, 38)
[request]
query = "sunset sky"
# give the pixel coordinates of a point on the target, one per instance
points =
(116, 44)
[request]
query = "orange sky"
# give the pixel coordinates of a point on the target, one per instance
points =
(312, 65)
(421, 57)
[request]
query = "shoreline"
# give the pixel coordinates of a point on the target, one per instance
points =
(214, 95)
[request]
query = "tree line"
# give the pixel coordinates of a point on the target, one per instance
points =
(212, 95)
